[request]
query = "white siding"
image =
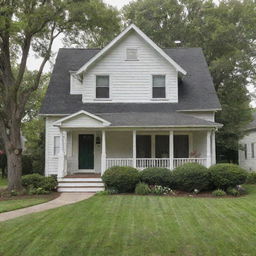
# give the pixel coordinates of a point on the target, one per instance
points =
(51, 161)
(249, 163)
(199, 143)
(130, 81)
(206, 115)
(76, 87)
(82, 121)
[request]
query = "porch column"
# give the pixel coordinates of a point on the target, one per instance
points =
(134, 148)
(171, 149)
(61, 163)
(103, 152)
(208, 149)
(213, 148)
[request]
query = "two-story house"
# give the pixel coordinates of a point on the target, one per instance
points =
(128, 104)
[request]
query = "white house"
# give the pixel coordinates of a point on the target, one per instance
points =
(128, 104)
(247, 156)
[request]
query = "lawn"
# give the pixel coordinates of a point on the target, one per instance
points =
(3, 182)
(137, 225)
(13, 204)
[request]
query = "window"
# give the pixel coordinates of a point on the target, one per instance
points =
(131, 54)
(56, 146)
(252, 148)
(245, 151)
(158, 86)
(102, 87)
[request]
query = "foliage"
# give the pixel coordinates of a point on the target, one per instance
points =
(156, 176)
(36, 183)
(227, 175)
(142, 189)
(122, 178)
(160, 190)
(27, 167)
(191, 176)
(109, 191)
(251, 178)
(233, 192)
(219, 192)
(225, 30)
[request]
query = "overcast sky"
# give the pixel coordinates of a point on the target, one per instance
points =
(33, 62)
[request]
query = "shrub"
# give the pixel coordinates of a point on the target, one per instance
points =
(122, 178)
(27, 167)
(233, 192)
(191, 176)
(219, 192)
(251, 178)
(160, 190)
(35, 181)
(157, 176)
(142, 189)
(227, 175)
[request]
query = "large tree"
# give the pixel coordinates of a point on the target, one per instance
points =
(35, 24)
(226, 32)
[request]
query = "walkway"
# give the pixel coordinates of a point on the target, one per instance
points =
(63, 199)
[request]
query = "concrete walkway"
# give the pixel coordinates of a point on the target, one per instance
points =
(63, 199)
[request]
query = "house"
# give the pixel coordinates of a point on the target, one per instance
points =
(247, 155)
(128, 104)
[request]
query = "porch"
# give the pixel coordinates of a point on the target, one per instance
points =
(95, 150)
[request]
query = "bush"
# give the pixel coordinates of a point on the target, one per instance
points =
(251, 178)
(191, 176)
(219, 192)
(122, 178)
(142, 189)
(157, 176)
(36, 181)
(27, 167)
(227, 175)
(233, 192)
(160, 190)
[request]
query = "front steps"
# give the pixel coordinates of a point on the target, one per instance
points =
(81, 183)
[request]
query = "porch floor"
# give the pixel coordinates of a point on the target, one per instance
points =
(84, 175)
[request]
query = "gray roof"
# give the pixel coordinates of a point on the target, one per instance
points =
(196, 90)
(252, 124)
(147, 119)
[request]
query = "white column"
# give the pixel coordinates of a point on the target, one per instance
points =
(134, 148)
(213, 148)
(61, 157)
(153, 146)
(208, 149)
(103, 152)
(171, 149)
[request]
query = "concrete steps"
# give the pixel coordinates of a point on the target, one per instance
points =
(79, 184)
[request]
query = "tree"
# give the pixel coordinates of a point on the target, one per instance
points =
(226, 32)
(26, 25)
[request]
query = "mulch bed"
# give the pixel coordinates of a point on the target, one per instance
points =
(50, 196)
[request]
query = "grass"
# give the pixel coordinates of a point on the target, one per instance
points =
(3, 182)
(137, 225)
(13, 204)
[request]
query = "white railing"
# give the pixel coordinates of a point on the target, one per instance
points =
(142, 163)
(118, 162)
(180, 161)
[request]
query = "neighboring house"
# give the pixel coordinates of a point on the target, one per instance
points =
(128, 104)
(247, 156)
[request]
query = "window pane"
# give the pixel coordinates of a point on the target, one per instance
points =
(158, 92)
(252, 147)
(158, 81)
(102, 92)
(102, 81)
(245, 151)
(56, 145)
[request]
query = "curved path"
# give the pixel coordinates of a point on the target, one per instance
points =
(63, 199)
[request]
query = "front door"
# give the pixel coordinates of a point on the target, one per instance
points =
(86, 151)
(181, 146)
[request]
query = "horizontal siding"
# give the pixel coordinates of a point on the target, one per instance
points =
(130, 80)
(205, 115)
(82, 121)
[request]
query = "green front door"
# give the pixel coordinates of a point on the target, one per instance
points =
(86, 151)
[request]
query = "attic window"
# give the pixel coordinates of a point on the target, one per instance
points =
(131, 54)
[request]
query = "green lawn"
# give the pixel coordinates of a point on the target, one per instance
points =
(137, 225)
(14, 204)
(3, 182)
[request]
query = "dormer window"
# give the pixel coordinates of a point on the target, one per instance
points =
(158, 90)
(102, 87)
(131, 54)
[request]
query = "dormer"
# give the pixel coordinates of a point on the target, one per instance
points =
(131, 68)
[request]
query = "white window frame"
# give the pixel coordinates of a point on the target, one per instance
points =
(252, 150)
(152, 86)
(55, 151)
(137, 54)
(109, 79)
(245, 152)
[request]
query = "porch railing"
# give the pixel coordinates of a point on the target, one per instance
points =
(142, 163)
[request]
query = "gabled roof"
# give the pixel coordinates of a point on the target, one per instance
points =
(118, 38)
(196, 90)
(252, 124)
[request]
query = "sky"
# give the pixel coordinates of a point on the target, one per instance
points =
(33, 62)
